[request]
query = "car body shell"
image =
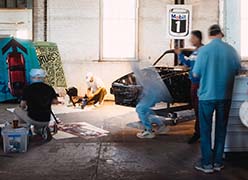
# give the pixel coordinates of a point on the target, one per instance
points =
(176, 78)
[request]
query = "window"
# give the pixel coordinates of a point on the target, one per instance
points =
(244, 29)
(16, 4)
(118, 29)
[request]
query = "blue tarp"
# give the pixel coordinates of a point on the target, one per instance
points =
(31, 61)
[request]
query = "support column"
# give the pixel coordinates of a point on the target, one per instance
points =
(38, 20)
(178, 43)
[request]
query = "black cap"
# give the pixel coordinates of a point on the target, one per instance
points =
(197, 33)
(215, 30)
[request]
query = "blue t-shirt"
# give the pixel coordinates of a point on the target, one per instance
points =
(217, 64)
(190, 63)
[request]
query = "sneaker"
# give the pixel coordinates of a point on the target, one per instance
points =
(193, 139)
(162, 129)
(204, 168)
(218, 167)
(84, 103)
(97, 104)
(146, 134)
(46, 134)
(101, 103)
(37, 131)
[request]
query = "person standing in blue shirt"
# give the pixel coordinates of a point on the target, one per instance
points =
(196, 41)
(216, 66)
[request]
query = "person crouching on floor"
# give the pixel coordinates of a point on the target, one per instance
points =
(95, 92)
(153, 92)
(35, 105)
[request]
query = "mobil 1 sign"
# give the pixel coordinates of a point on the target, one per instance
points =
(179, 21)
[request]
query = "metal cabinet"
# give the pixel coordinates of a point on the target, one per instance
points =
(237, 133)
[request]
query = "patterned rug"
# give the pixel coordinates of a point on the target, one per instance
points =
(82, 129)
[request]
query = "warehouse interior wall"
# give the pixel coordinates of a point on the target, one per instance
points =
(230, 21)
(74, 26)
(234, 18)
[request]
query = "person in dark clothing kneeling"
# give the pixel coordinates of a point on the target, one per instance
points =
(35, 105)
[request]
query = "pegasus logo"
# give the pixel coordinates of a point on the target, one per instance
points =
(178, 16)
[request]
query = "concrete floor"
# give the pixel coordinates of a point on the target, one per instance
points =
(119, 156)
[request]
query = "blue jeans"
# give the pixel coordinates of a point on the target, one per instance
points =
(206, 110)
(145, 113)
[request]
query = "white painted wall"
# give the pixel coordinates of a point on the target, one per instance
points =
(74, 26)
(231, 22)
(205, 14)
(153, 39)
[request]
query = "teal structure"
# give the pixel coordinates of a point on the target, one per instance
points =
(31, 61)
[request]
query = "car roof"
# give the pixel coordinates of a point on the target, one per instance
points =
(185, 51)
